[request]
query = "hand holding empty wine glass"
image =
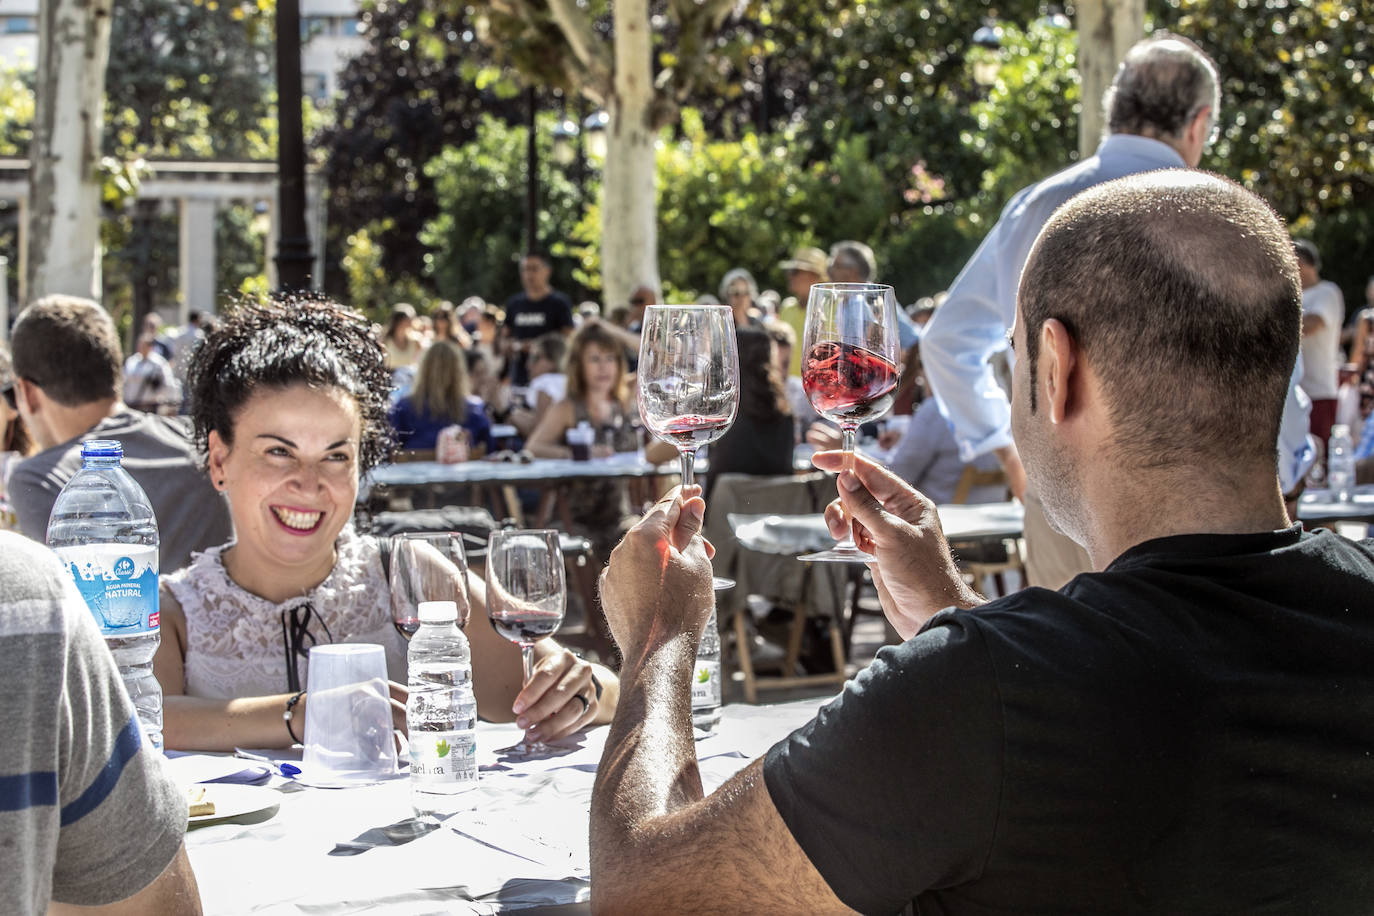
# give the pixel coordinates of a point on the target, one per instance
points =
(849, 368)
(426, 567)
(526, 596)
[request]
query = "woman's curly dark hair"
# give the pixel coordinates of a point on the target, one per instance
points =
(294, 339)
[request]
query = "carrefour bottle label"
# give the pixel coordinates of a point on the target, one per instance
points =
(443, 757)
(119, 583)
(706, 684)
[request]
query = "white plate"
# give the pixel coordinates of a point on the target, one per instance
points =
(236, 801)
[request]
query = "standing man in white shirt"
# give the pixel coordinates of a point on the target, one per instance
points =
(1161, 113)
(1323, 313)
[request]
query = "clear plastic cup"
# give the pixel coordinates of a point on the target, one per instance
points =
(349, 736)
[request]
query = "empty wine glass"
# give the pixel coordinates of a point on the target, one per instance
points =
(689, 379)
(426, 567)
(526, 596)
(849, 368)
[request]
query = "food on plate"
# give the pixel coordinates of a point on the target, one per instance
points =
(199, 804)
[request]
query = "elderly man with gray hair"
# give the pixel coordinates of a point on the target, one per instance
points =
(1161, 113)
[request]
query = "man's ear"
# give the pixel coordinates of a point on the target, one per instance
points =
(1058, 364)
(27, 396)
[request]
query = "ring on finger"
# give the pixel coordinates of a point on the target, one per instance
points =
(586, 703)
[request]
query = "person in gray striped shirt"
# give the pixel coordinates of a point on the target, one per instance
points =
(87, 814)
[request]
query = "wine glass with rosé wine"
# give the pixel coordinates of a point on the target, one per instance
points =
(689, 379)
(849, 369)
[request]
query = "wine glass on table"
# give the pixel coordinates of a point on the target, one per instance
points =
(426, 566)
(689, 380)
(526, 596)
(849, 369)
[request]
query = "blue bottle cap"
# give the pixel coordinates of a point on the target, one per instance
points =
(102, 448)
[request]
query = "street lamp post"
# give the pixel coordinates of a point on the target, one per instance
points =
(293, 240)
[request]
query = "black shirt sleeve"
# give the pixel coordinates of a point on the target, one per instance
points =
(893, 788)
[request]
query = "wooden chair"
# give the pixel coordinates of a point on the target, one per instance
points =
(802, 589)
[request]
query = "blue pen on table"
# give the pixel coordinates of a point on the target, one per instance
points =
(287, 770)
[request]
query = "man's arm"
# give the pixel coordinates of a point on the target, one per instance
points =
(1311, 324)
(657, 844)
(172, 893)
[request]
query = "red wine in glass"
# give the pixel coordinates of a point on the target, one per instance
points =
(693, 430)
(523, 628)
(407, 626)
(849, 369)
(847, 383)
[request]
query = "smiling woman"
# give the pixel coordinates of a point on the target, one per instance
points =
(289, 405)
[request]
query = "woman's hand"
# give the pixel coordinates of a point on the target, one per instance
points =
(559, 699)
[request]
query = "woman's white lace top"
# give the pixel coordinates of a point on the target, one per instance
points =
(234, 642)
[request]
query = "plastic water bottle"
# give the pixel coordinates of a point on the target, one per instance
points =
(706, 681)
(103, 528)
(441, 713)
(1340, 462)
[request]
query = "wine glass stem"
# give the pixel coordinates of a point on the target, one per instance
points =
(527, 656)
(847, 443)
(689, 460)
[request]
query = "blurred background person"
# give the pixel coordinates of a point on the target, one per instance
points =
(401, 339)
(761, 439)
(441, 397)
(597, 395)
(15, 442)
(447, 328)
(150, 385)
(548, 383)
(804, 269)
(1323, 314)
(739, 291)
(534, 311)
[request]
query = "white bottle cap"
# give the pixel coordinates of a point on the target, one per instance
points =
(438, 611)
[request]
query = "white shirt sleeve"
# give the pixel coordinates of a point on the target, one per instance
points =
(970, 327)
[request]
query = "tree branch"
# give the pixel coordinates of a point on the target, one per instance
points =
(698, 20)
(585, 45)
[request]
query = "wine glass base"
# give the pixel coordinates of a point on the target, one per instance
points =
(721, 584)
(529, 750)
(839, 554)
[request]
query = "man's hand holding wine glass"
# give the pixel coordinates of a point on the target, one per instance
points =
(915, 573)
(658, 583)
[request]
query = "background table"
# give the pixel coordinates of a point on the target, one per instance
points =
(1322, 507)
(497, 481)
(524, 845)
(791, 535)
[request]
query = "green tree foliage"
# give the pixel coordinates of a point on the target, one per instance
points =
(421, 86)
(749, 203)
(474, 243)
(1297, 123)
(187, 80)
(370, 286)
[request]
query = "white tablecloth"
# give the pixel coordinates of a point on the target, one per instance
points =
(524, 845)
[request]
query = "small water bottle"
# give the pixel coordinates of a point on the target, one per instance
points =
(1340, 462)
(706, 680)
(441, 713)
(103, 528)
